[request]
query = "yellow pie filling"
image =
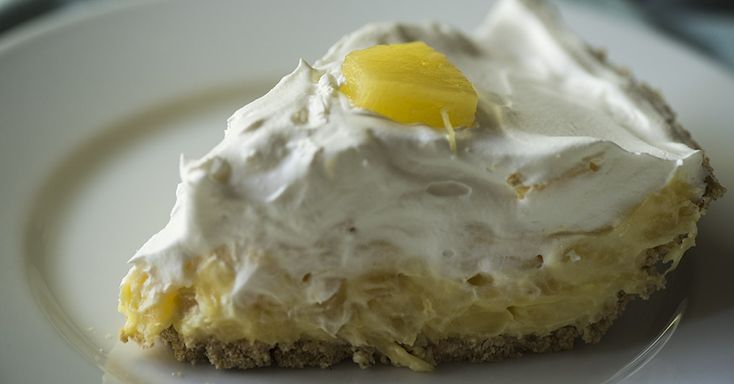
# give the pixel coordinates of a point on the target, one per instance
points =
(388, 309)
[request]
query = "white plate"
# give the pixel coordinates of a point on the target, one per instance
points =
(96, 104)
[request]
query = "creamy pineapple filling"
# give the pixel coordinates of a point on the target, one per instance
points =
(389, 308)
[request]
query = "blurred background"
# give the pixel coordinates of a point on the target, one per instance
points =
(705, 25)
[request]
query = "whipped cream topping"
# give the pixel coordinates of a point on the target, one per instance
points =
(311, 185)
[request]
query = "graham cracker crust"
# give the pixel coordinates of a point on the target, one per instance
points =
(323, 354)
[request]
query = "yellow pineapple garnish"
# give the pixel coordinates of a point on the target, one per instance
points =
(409, 83)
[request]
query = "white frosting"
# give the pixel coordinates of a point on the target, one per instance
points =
(313, 185)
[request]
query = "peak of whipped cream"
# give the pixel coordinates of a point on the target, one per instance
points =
(563, 147)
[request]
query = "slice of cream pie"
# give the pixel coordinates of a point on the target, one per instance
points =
(420, 195)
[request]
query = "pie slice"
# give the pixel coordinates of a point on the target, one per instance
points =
(420, 195)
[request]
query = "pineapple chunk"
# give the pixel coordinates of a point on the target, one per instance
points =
(409, 83)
